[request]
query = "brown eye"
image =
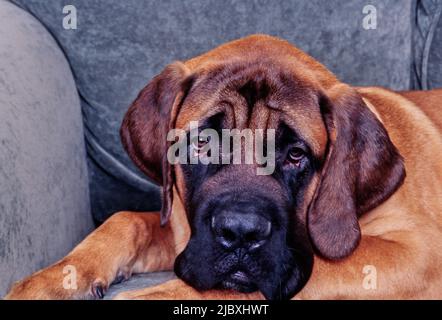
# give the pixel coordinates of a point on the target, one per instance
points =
(295, 155)
(201, 142)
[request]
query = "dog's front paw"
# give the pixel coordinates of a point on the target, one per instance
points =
(60, 281)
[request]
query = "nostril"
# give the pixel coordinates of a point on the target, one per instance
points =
(260, 233)
(228, 235)
(257, 239)
(251, 237)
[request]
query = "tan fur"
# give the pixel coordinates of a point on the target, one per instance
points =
(401, 238)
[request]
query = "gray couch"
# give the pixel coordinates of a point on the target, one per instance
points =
(63, 94)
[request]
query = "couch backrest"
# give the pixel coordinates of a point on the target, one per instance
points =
(427, 45)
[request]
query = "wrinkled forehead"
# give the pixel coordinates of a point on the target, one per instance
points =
(260, 95)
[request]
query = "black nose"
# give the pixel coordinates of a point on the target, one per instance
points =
(233, 230)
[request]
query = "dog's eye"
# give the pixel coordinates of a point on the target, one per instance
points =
(200, 142)
(295, 155)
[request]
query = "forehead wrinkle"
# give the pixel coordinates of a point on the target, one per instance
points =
(202, 101)
(273, 119)
(195, 111)
(245, 113)
(300, 111)
(238, 107)
(311, 130)
(216, 87)
(229, 115)
(259, 116)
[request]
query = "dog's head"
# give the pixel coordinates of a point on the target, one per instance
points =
(333, 162)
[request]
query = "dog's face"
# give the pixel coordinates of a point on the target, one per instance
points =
(333, 162)
(248, 231)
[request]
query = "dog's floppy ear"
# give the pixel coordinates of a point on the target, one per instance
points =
(146, 123)
(361, 170)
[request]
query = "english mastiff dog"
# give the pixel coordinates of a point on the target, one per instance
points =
(356, 190)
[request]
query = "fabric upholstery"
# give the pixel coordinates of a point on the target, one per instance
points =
(138, 282)
(427, 45)
(44, 197)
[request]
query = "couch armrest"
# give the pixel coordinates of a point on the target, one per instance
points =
(44, 198)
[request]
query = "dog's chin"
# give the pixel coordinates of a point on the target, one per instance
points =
(276, 287)
(273, 281)
(281, 290)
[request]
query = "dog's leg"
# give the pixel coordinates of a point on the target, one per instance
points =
(179, 290)
(395, 267)
(126, 243)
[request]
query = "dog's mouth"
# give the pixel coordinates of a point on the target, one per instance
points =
(239, 281)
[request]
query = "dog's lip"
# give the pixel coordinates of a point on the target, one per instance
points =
(239, 281)
(240, 276)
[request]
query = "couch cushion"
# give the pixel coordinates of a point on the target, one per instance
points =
(138, 282)
(427, 45)
(119, 45)
(44, 198)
